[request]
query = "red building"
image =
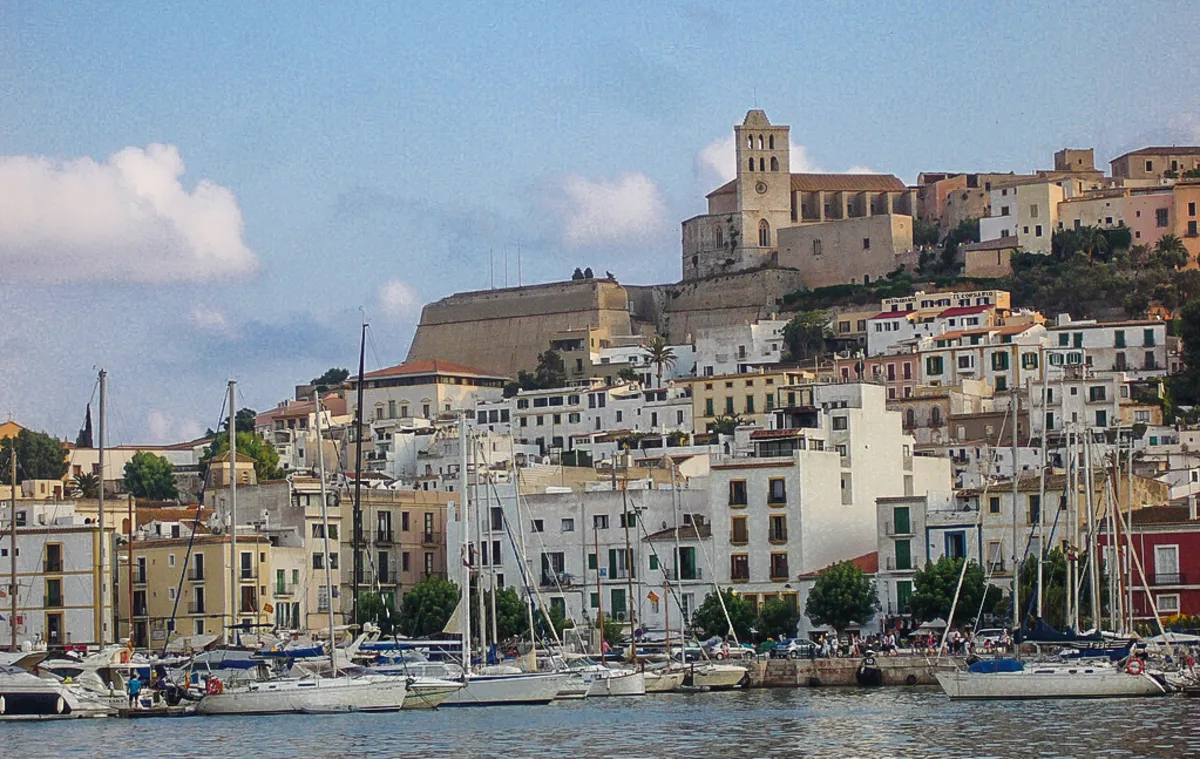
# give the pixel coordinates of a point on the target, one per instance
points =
(1166, 539)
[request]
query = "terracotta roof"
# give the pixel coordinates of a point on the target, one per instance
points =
(1180, 150)
(428, 366)
(891, 314)
(965, 310)
(847, 183)
(1161, 515)
(772, 434)
(868, 563)
(686, 532)
(1014, 329)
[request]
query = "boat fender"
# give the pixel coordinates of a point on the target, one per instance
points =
(1135, 666)
(3, 704)
(214, 686)
(720, 655)
(869, 661)
(910, 680)
(60, 705)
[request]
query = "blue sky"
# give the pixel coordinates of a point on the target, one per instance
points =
(353, 156)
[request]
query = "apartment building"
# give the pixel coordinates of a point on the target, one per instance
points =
(739, 348)
(752, 397)
(1138, 348)
(1155, 163)
(63, 594)
(1027, 211)
(403, 540)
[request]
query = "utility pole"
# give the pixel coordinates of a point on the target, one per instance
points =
(100, 511)
(12, 542)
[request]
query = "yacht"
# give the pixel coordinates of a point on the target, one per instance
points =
(304, 695)
(1012, 679)
(35, 687)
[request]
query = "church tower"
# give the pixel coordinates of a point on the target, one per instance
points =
(764, 179)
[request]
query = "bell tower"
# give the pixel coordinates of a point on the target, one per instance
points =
(764, 179)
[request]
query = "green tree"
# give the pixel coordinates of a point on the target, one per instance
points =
(628, 374)
(551, 372)
(662, 355)
(512, 618)
(804, 334)
(725, 425)
(554, 617)
(777, 618)
(150, 476)
(332, 377)
(967, 231)
(427, 606)
(934, 586)
(375, 608)
(587, 273)
(39, 457)
(843, 595)
(925, 234)
(1170, 252)
(84, 438)
(1054, 586)
(266, 458)
(709, 618)
(243, 419)
(614, 631)
(86, 485)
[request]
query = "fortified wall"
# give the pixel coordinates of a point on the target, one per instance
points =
(504, 330)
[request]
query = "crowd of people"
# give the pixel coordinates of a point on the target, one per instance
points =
(924, 642)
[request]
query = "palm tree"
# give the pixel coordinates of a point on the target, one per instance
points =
(1170, 251)
(86, 485)
(659, 353)
(1092, 240)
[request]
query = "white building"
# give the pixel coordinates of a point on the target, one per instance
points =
(806, 496)
(59, 582)
(739, 348)
(1138, 348)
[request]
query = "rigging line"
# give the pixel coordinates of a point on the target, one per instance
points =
(187, 556)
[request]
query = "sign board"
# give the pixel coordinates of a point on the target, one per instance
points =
(603, 572)
(652, 597)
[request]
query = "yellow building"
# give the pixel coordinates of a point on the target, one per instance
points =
(750, 396)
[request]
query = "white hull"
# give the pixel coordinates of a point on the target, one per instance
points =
(25, 696)
(429, 693)
(716, 676)
(577, 686)
(663, 682)
(1051, 682)
(493, 690)
(310, 695)
(618, 683)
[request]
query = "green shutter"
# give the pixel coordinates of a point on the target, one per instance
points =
(900, 517)
(903, 554)
(653, 562)
(591, 561)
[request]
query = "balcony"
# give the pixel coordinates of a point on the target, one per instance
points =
(431, 538)
(557, 580)
(139, 575)
(777, 536)
(52, 566)
(689, 573)
(1168, 578)
(892, 565)
(196, 574)
(385, 537)
(387, 577)
(738, 538)
(195, 607)
(286, 590)
(54, 600)
(893, 530)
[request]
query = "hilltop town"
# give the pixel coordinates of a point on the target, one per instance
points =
(985, 366)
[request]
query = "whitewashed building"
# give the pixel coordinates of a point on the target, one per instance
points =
(739, 348)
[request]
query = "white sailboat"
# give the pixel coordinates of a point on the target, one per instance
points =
(312, 694)
(1053, 680)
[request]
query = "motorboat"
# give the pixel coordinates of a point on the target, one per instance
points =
(33, 686)
(1013, 679)
(662, 681)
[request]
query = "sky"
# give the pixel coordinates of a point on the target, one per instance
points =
(226, 189)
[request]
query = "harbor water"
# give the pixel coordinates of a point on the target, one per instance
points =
(826, 722)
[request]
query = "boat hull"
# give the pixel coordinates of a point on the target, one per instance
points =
(663, 682)
(716, 676)
(618, 684)
(499, 690)
(307, 696)
(577, 686)
(1039, 684)
(36, 699)
(428, 693)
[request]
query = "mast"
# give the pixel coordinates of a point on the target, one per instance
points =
(479, 605)
(1018, 618)
(1073, 590)
(103, 638)
(357, 527)
(599, 587)
(464, 512)
(325, 530)
(678, 550)
(233, 557)
(1089, 496)
(629, 566)
(12, 541)
(1041, 526)
(527, 574)
(487, 491)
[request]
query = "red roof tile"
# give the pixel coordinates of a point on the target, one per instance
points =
(868, 563)
(891, 314)
(428, 366)
(965, 310)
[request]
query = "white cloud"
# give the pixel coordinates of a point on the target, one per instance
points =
(398, 299)
(165, 427)
(628, 209)
(861, 170)
(716, 162)
(210, 320)
(125, 219)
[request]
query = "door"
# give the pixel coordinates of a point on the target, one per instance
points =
(956, 544)
(54, 629)
(687, 564)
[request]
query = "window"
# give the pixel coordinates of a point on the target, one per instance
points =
(994, 504)
(1033, 211)
(1064, 339)
(777, 529)
(1037, 230)
(866, 243)
(1096, 393)
(779, 567)
(904, 554)
(318, 561)
(1000, 361)
(764, 234)
(1001, 384)
(538, 526)
(904, 590)
(956, 544)
(628, 519)
(739, 567)
(1035, 509)
(1004, 210)
(600, 521)
(1102, 418)
(1161, 217)
(776, 491)
(737, 492)
(1166, 565)
(839, 422)
(1119, 338)
(738, 534)
(933, 366)
(708, 407)
(729, 406)
(1029, 360)
(568, 525)
(965, 361)
(1148, 338)
(749, 404)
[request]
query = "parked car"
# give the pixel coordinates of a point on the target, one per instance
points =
(795, 648)
(994, 636)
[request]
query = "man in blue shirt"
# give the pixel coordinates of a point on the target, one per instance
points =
(135, 689)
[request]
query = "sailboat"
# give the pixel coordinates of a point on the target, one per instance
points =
(311, 694)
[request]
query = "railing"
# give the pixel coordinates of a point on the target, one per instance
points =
(434, 574)
(385, 537)
(194, 607)
(777, 536)
(196, 575)
(779, 574)
(688, 574)
(54, 601)
(738, 540)
(245, 573)
(557, 579)
(285, 590)
(894, 530)
(387, 577)
(891, 564)
(247, 607)
(774, 500)
(431, 538)
(52, 566)
(139, 575)
(1168, 578)
(139, 610)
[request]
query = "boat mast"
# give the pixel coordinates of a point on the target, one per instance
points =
(1017, 617)
(357, 527)
(474, 487)
(466, 546)
(103, 638)
(12, 539)
(325, 531)
(1041, 526)
(599, 587)
(233, 557)
(1089, 496)
(1129, 537)
(487, 492)
(628, 565)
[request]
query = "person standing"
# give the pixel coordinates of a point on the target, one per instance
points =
(134, 686)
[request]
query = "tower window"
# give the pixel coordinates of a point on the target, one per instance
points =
(762, 164)
(760, 142)
(751, 163)
(774, 162)
(771, 142)
(764, 234)
(750, 141)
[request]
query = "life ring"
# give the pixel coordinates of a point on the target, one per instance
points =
(1135, 666)
(214, 687)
